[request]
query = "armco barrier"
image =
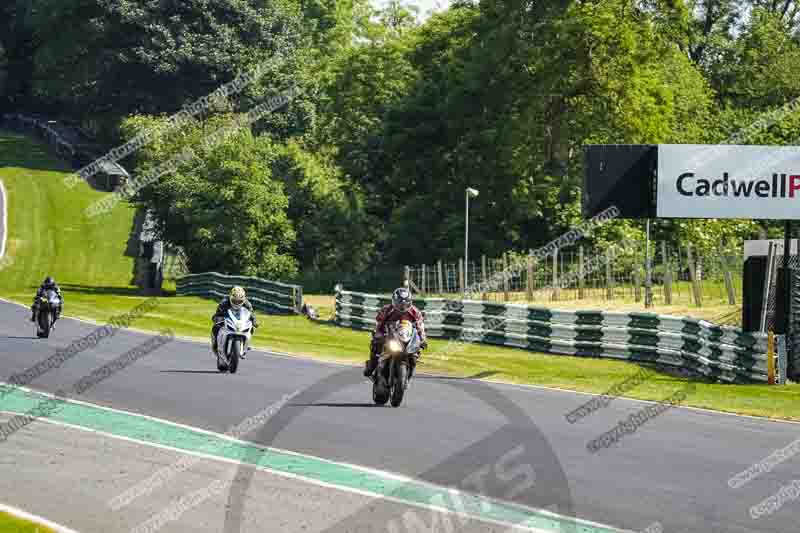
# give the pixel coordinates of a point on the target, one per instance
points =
(267, 296)
(720, 352)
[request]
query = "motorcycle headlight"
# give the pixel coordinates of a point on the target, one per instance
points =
(394, 346)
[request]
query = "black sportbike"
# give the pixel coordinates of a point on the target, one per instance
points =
(49, 304)
(396, 363)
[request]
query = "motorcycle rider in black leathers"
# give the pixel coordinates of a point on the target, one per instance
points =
(48, 284)
(236, 300)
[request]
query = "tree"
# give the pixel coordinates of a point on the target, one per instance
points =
(504, 102)
(333, 231)
(154, 56)
(224, 208)
(758, 68)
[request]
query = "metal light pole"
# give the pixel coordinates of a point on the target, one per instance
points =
(648, 284)
(471, 193)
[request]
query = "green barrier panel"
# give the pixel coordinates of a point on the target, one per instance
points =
(267, 296)
(723, 353)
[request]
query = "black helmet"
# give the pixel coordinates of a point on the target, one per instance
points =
(49, 282)
(401, 299)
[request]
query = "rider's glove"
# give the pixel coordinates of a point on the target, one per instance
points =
(424, 345)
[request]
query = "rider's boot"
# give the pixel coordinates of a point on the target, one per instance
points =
(371, 363)
(413, 364)
(369, 366)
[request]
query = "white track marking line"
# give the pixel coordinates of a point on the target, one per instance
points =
(379, 473)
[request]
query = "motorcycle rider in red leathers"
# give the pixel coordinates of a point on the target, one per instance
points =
(401, 308)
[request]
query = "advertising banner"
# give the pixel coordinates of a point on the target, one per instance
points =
(728, 181)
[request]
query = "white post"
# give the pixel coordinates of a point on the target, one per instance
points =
(473, 193)
(466, 244)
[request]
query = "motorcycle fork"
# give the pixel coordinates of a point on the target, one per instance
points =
(392, 367)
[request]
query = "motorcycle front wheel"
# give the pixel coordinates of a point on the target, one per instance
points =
(45, 321)
(400, 381)
(380, 392)
(236, 349)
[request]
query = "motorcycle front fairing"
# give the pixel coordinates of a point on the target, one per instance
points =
(238, 323)
(407, 343)
(413, 345)
(238, 320)
(52, 298)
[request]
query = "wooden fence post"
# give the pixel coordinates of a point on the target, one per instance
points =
(555, 275)
(505, 277)
(698, 297)
(529, 278)
(637, 290)
(483, 275)
(667, 274)
(447, 268)
(609, 288)
(423, 282)
(726, 272)
(580, 272)
(439, 274)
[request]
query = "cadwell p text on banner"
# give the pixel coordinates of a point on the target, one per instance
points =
(728, 181)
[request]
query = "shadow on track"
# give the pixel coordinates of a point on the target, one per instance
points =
(92, 289)
(190, 371)
(334, 405)
(480, 375)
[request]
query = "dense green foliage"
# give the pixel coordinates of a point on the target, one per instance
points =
(367, 166)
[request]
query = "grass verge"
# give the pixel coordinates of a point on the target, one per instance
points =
(50, 235)
(12, 524)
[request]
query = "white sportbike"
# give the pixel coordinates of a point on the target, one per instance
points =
(233, 339)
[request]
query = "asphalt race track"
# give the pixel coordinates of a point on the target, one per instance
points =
(674, 470)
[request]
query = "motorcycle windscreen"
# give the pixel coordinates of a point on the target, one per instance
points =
(413, 344)
(240, 314)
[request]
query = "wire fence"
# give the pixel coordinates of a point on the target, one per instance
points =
(771, 285)
(679, 276)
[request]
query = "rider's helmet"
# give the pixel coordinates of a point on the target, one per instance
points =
(401, 299)
(237, 297)
(49, 282)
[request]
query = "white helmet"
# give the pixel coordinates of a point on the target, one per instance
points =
(237, 297)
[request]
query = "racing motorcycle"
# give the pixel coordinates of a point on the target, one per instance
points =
(396, 363)
(233, 339)
(49, 303)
